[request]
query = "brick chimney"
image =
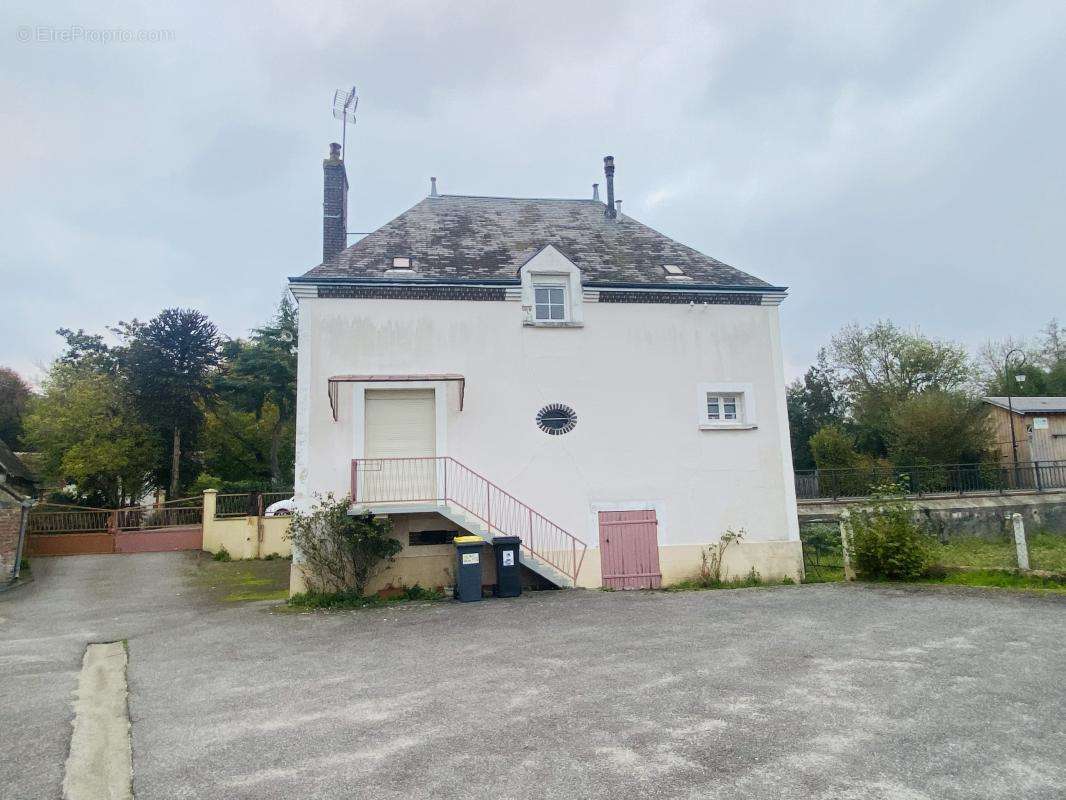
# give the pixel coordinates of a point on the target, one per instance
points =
(334, 205)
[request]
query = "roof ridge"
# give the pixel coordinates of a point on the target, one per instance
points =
(502, 197)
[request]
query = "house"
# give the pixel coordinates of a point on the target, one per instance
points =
(17, 486)
(15, 477)
(1039, 425)
(546, 368)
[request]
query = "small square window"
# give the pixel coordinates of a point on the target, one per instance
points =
(726, 406)
(401, 262)
(723, 407)
(673, 269)
(549, 303)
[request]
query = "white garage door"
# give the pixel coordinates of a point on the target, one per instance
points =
(400, 423)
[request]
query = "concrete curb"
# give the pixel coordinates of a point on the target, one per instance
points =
(100, 764)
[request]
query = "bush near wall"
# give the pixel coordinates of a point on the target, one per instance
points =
(886, 541)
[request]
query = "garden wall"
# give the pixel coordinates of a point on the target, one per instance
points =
(956, 517)
(244, 537)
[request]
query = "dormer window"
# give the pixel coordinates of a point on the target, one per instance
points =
(551, 291)
(549, 303)
(401, 262)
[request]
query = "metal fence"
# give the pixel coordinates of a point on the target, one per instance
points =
(54, 518)
(58, 518)
(932, 479)
(247, 504)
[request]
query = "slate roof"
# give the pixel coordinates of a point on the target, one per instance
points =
(489, 238)
(10, 464)
(1031, 405)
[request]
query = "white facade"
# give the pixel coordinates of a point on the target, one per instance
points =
(638, 376)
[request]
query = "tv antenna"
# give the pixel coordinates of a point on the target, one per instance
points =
(345, 102)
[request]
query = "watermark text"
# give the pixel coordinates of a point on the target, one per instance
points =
(74, 34)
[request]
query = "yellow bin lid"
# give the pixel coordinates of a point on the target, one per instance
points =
(468, 540)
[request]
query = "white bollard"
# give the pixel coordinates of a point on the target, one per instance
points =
(849, 571)
(1019, 541)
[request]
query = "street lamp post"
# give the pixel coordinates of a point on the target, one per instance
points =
(1020, 378)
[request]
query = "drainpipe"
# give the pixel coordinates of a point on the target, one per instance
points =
(27, 504)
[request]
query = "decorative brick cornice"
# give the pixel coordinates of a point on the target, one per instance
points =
(704, 298)
(413, 292)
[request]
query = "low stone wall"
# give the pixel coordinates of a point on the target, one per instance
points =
(973, 516)
(244, 537)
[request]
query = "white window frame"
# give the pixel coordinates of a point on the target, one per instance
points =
(744, 393)
(548, 286)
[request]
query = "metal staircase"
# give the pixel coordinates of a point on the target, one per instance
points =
(444, 486)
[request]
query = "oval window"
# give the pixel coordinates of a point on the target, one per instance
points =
(556, 419)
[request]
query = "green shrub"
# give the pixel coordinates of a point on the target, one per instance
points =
(340, 552)
(223, 554)
(885, 541)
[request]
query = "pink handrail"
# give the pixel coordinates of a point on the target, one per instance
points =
(443, 479)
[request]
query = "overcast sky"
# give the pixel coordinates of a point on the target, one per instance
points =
(884, 160)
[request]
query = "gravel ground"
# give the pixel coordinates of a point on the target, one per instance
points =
(792, 692)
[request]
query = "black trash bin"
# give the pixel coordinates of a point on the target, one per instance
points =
(468, 568)
(508, 575)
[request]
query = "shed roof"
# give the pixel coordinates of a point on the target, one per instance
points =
(1031, 405)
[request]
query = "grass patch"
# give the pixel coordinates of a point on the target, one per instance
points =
(995, 579)
(242, 581)
(823, 573)
(338, 600)
(247, 597)
(1047, 551)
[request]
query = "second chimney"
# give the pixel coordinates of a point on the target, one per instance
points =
(608, 170)
(334, 205)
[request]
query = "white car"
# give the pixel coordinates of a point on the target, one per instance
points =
(282, 508)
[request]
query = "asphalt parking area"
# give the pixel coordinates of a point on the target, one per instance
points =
(790, 692)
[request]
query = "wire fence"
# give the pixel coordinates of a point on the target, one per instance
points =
(823, 554)
(926, 479)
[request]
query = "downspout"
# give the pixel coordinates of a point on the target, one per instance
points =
(26, 506)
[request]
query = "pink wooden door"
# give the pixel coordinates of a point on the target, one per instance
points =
(629, 550)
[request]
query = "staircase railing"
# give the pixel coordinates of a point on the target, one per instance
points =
(443, 479)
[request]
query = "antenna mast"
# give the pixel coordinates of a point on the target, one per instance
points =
(345, 102)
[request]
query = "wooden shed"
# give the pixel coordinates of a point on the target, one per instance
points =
(1039, 427)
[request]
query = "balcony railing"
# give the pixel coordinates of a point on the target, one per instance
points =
(932, 479)
(442, 479)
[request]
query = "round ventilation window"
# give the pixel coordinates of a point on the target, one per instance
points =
(556, 419)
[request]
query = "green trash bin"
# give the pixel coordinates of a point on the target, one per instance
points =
(468, 568)
(508, 573)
